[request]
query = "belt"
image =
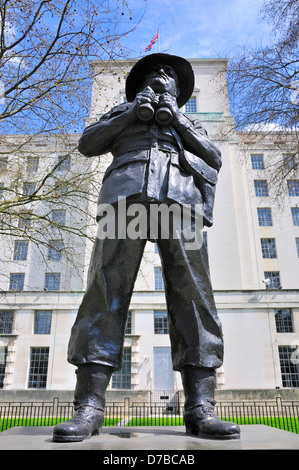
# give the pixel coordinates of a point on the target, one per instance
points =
(130, 146)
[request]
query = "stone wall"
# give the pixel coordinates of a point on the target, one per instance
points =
(65, 396)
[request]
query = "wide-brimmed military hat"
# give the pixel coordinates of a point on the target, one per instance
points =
(181, 67)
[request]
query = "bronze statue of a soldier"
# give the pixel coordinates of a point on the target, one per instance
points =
(159, 156)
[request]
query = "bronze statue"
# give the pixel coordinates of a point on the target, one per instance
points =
(159, 156)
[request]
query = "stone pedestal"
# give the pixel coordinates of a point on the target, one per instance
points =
(149, 441)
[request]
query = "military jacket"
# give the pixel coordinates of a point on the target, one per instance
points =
(147, 166)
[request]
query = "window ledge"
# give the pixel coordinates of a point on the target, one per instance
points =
(9, 335)
(130, 335)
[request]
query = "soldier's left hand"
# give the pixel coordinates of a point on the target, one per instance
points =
(170, 102)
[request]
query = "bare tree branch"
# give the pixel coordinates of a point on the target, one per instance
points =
(46, 47)
(263, 85)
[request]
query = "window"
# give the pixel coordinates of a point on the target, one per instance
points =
(32, 164)
(297, 246)
(16, 281)
(274, 277)
(3, 359)
(128, 330)
(122, 378)
(283, 320)
(295, 215)
(257, 162)
(28, 189)
(191, 106)
(6, 322)
(52, 281)
(289, 162)
(261, 188)
(42, 322)
(20, 250)
(293, 187)
(38, 370)
(58, 216)
(25, 221)
(264, 217)
(55, 250)
(160, 322)
(65, 163)
(268, 248)
(289, 367)
(159, 284)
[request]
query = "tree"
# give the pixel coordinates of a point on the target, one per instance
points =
(284, 16)
(45, 50)
(263, 84)
(46, 47)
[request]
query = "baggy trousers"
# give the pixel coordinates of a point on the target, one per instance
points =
(195, 331)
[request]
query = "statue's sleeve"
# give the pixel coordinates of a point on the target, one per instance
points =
(196, 140)
(198, 126)
(97, 138)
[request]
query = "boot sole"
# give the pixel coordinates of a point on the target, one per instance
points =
(70, 438)
(213, 436)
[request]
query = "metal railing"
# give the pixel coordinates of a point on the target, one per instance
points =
(157, 412)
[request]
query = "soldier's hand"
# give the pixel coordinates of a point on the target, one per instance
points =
(168, 101)
(145, 96)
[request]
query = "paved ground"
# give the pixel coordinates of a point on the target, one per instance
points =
(253, 437)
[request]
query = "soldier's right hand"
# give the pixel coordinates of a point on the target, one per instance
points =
(145, 96)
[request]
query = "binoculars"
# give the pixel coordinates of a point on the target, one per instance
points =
(146, 111)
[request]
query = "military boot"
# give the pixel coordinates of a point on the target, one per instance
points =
(89, 404)
(199, 415)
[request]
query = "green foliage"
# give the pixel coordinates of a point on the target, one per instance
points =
(286, 423)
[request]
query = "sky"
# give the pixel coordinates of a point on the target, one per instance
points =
(197, 28)
(191, 28)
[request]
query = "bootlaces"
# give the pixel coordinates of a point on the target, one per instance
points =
(208, 411)
(83, 413)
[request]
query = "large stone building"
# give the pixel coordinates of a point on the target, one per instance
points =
(253, 249)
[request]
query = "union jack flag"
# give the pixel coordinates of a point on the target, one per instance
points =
(155, 39)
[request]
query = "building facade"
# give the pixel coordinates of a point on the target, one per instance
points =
(253, 251)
